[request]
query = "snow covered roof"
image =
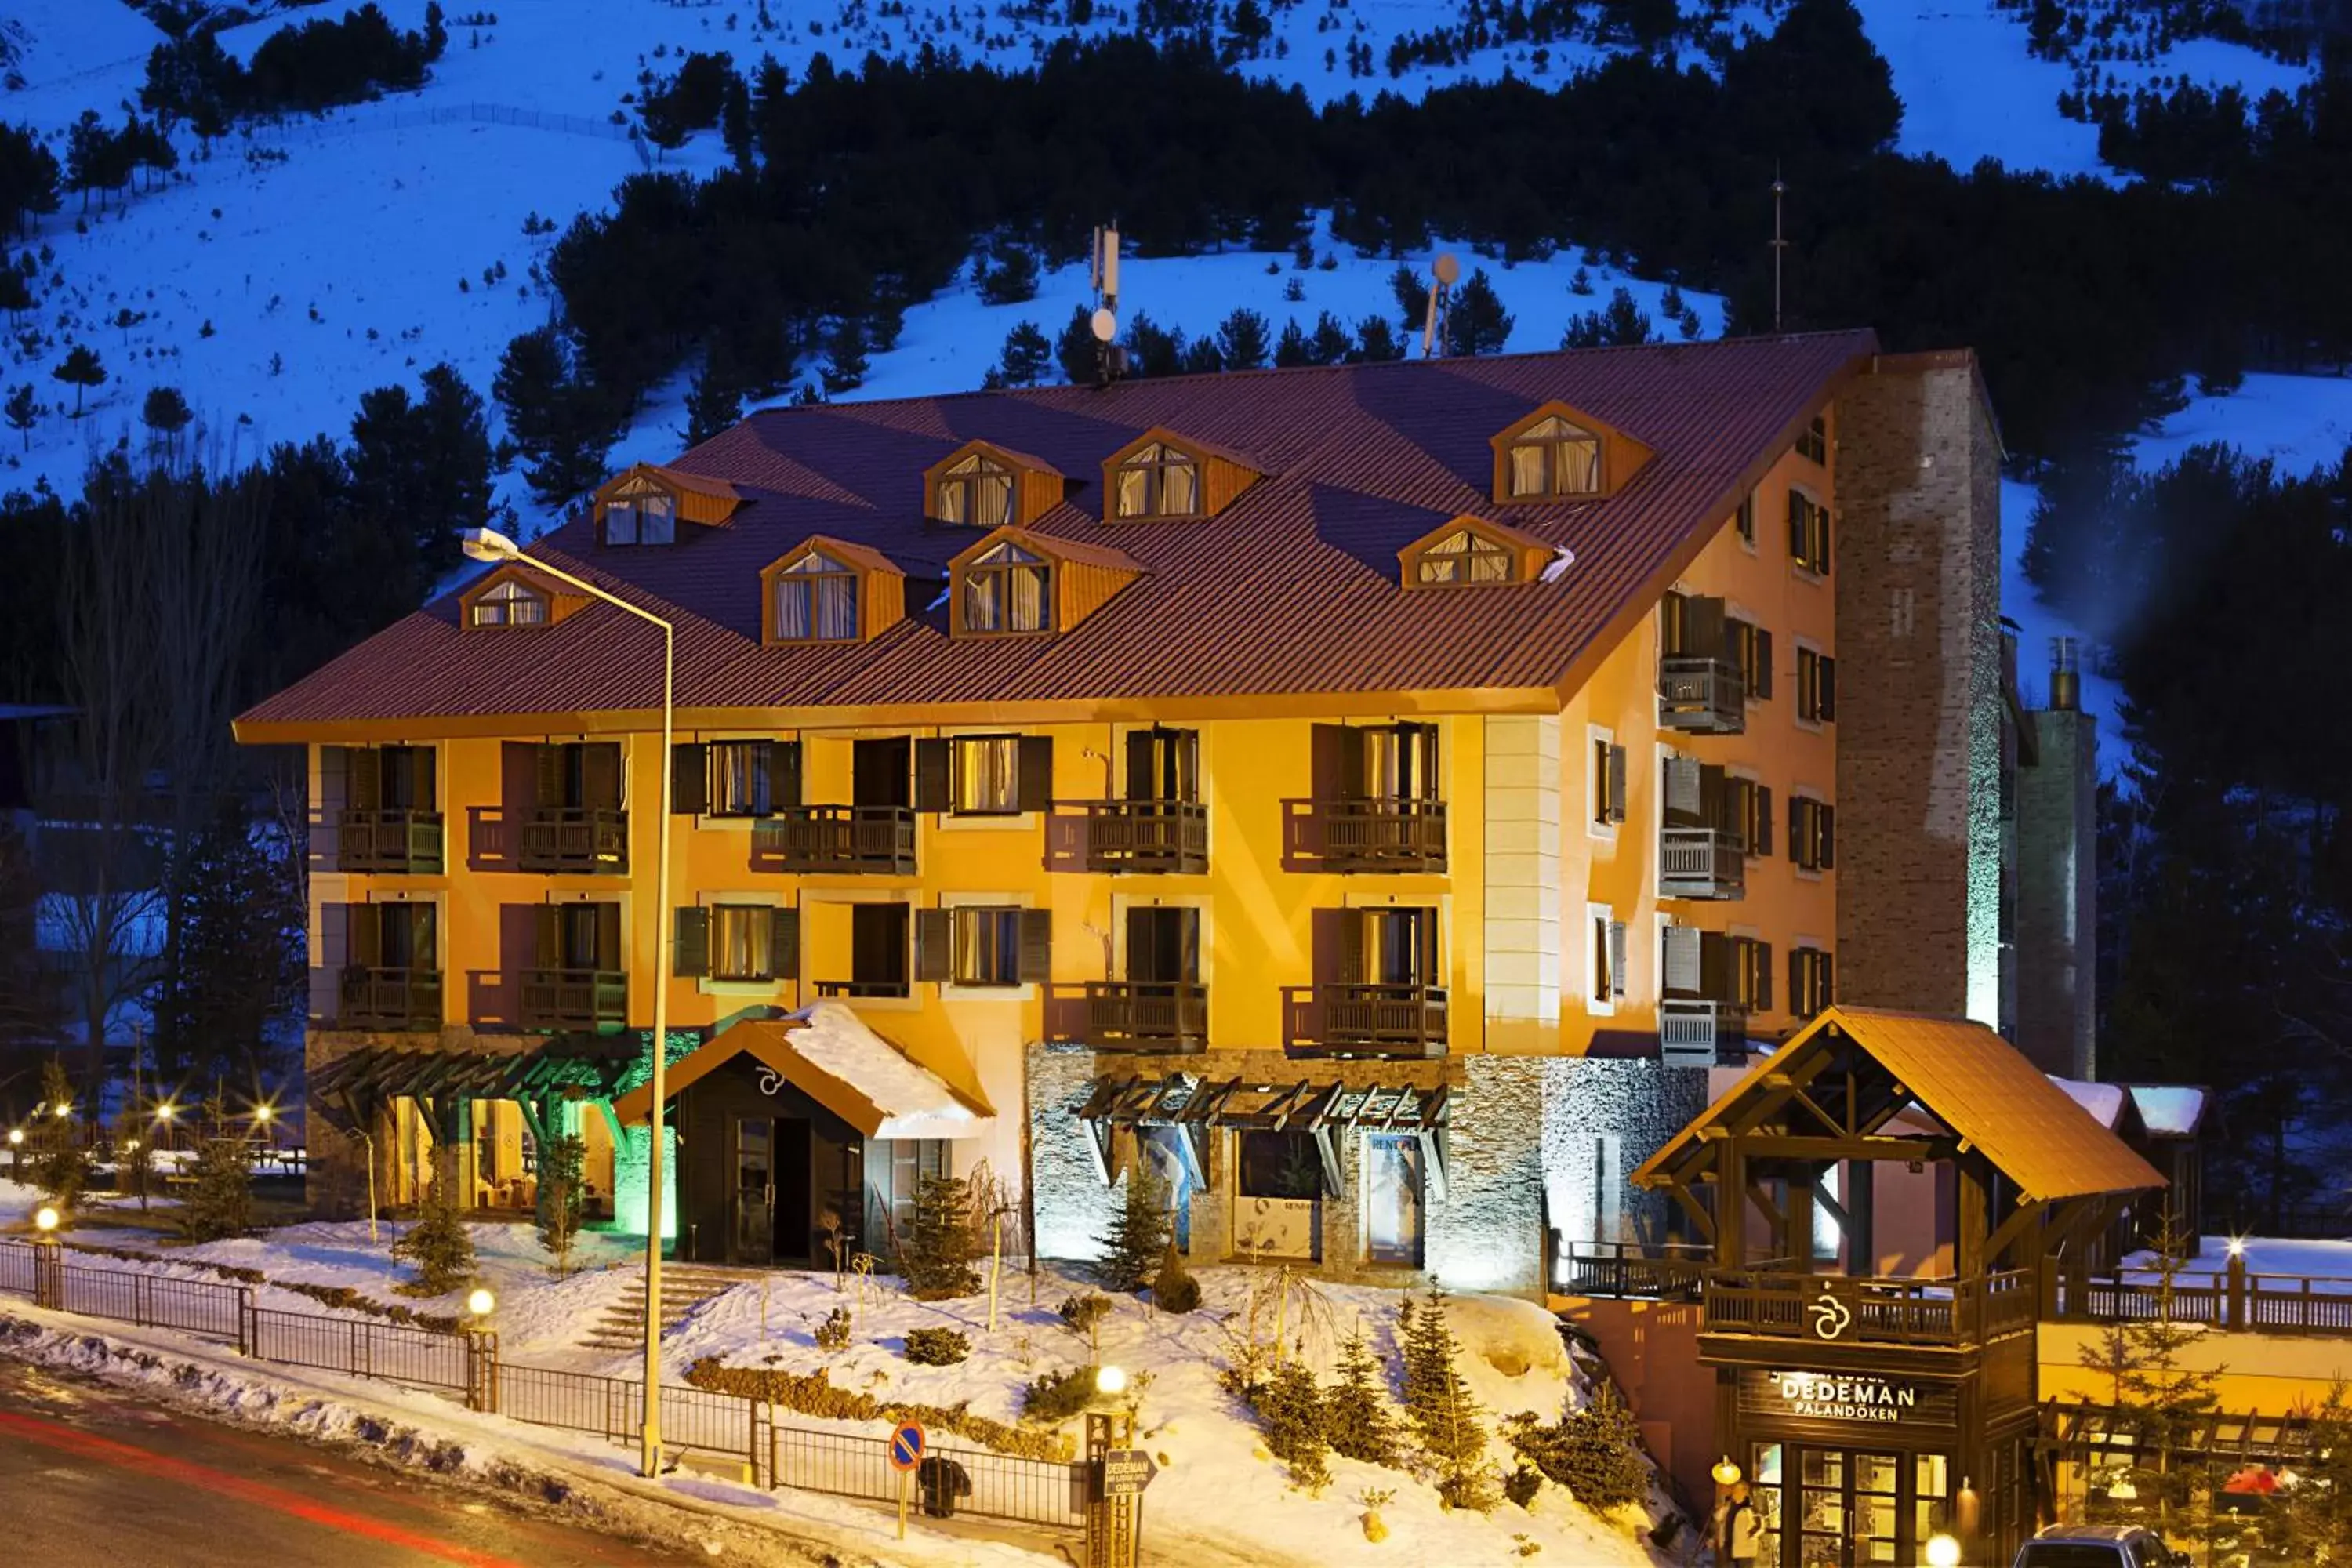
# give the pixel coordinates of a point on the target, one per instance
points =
(828, 1052)
(2169, 1110)
(2104, 1101)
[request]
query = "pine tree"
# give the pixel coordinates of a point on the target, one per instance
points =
(2158, 1398)
(81, 369)
(220, 1201)
(1330, 344)
(1621, 323)
(560, 1207)
(166, 413)
(60, 1164)
(1443, 1411)
(1242, 339)
(1027, 354)
(1290, 1410)
(1290, 348)
(1595, 1451)
(1376, 342)
(423, 466)
(845, 357)
(1412, 297)
(713, 406)
(938, 1251)
(1173, 1289)
(1139, 1233)
(438, 1242)
(561, 422)
(1076, 351)
(1475, 321)
(24, 412)
(1356, 1408)
(1011, 279)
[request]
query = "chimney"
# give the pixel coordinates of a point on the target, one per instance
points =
(2066, 678)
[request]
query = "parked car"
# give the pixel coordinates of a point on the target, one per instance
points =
(2097, 1546)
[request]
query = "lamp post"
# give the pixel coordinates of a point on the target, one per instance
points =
(1726, 1476)
(487, 544)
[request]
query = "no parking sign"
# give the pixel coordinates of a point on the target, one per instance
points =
(906, 1458)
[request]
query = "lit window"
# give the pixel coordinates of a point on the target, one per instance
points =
(510, 604)
(642, 514)
(987, 946)
(1158, 480)
(1008, 590)
(742, 941)
(1554, 457)
(976, 490)
(1816, 687)
(1812, 982)
(1809, 534)
(1812, 834)
(816, 601)
(1463, 556)
(739, 778)
(987, 770)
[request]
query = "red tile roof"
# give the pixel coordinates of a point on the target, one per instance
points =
(1293, 590)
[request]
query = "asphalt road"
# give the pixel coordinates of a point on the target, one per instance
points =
(90, 1475)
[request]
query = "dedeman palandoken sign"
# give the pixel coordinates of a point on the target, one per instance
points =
(1845, 1397)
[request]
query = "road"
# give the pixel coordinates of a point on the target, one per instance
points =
(93, 1476)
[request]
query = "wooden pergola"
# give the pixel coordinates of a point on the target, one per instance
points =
(351, 1091)
(2036, 1176)
(1327, 1112)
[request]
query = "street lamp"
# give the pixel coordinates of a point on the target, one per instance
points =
(1110, 1381)
(1943, 1551)
(488, 544)
(481, 1303)
(46, 1221)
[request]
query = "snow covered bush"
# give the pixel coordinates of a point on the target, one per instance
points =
(1595, 1452)
(1056, 1396)
(936, 1254)
(1082, 1313)
(437, 1243)
(220, 1203)
(1356, 1408)
(1173, 1289)
(833, 1334)
(1290, 1410)
(1139, 1233)
(937, 1347)
(1445, 1413)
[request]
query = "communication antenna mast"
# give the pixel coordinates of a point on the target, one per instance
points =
(1102, 277)
(1779, 244)
(1446, 268)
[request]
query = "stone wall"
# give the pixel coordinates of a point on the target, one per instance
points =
(1919, 700)
(2057, 895)
(1640, 1103)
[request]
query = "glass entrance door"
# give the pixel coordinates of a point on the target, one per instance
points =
(754, 1240)
(1839, 1508)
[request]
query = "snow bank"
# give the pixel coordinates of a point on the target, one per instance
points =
(914, 1100)
(2169, 1110)
(2104, 1101)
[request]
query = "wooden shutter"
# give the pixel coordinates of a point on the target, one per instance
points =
(1712, 797)
(783, 773)
(1034, 782)
(1617, 794)
(1827, 967)
(423, 943)
(784, 944)
(547, 776)
(1759, 843)
(1142, 776)
(1796, 832)
(1673, 636)
(424, 791)
(690, 952)
(547, 936)
(1423, 740)
(365, 935)
(1718, 979)
(1828, 814)
(608, 937)
(1703, 627)
(1684, 803)
(934, 945)
(1826, 705)
(1763, 999)
(1796, 527)
(1338, 947)
(1683, 959)
(1797, 982)
(1037, 946)
(1338, 762)
(366, 780)
(600, 775)
(931, 775)
(1739, 642)
(1617, 960)
(1760, 681)
(689, 779)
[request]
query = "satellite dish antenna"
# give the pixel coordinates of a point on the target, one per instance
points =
(1448, 269)
(1104, 325)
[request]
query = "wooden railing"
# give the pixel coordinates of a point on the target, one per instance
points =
(389, 841)
(1365, 1020)
(1628, 1271)
(573, 998)
(846, 988)
(1389, 832)
(1140, 835)
(837, 838)
(2233, 1299)
(1694, 1031)
(575, 839)
(1701, 696)
(375, 998)
(1163, 1015)
(1701, 863)
(1833, 1308)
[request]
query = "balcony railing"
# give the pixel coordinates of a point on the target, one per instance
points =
(389, 999)
(837, 838)
(1701, 696)
(1135, 835)
(1365, 1020)
(864, 988)
(389, 841)
(1626, 1270)
(575, 839)
(1694, 1031)
(1389, 832)
(573, 999)
(1830, 1308)
(1702, 863)
(1163, 1015)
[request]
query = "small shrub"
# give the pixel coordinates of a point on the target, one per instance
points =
(1081, 1314)
(1175, 1289)
(1139, 1232)
(437, 1244)
(1522, 1484)
(936, 1254)
(1290, 1410)
(937, 1347)
(1595, 1452)
(1056, 1397)
(833, 1334)
(1355, 1409)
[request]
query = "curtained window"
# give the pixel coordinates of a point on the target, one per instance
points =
(510, 604)
(642, 513)
(816, 601)
(1158, 480)
(1463, 556)
(987, 775)
(741, 941)
(1008, 590)
(1553, 457)
(976, 491)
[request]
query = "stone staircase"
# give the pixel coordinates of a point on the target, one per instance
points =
(685, 1287)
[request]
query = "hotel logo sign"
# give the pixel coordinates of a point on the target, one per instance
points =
(1845, 1397)
(1831, 1316)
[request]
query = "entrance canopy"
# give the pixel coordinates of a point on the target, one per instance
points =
(1191, 1106)
(351, 1091)
(827, 1052)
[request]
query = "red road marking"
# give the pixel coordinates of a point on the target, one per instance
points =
(107, 1451)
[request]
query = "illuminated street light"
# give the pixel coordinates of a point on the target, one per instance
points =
(481, 1303)
(63, 1109)
(46, 1221)
(1726, 1473)
(262, 1113)
(1111, 1380)
(17, 1137)
(1943, 1551)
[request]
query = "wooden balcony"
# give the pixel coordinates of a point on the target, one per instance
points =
(1701, 863)
(1158, 1016)
(575, 839)
(850, 989)
(401, 999)
(1697, 1031)
(1631, 1271)
(1701, 696)
(389, 842)
(1392, 832)
(1124, 835)
(872, 839)
(573, 999)
(1832, 1309)
(1364, 1020)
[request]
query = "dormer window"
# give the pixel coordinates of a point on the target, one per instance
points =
(1465, 557)
(1554, 457)
(974, 491)
(510, 604)
(645, 505)
(640, 512)
(815, 600)
(1007, 590)
(1158, 480)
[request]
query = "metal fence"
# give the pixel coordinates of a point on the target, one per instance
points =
(17, 1269)
(952, 1480)
(149, 1301)
(387, 1351)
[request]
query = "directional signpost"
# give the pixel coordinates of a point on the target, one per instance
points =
(1127, 1471)
(906, 1458)
(1114, 1509)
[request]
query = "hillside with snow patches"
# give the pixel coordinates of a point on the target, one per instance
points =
(298, 266)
